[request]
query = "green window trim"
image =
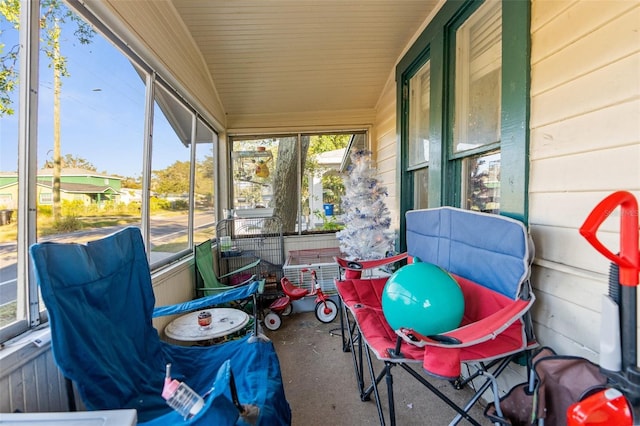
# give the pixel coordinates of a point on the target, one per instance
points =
(435, 44)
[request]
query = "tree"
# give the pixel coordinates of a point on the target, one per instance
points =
(132, 182)
(285, 181)
(10, 10)
(204, 180)
(53, 15)
(172, 180)
(332, 185)
(72, 161)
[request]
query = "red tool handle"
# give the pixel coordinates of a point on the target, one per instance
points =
(629, 258)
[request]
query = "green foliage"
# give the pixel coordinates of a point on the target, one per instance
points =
(205, 168)
(10, 10)
(132, 182)
(204, 187)
(53, 14)
(72, 161)
(67, 224)
(329, 223)
(172, 180)
(180, 205)
(156, 204)
(324, 143)
(72, 208)
(45, 211)
(331, 183)
(333, 188)
(79, 208)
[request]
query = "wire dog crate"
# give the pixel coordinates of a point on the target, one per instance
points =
(243, 240)
(300, 263)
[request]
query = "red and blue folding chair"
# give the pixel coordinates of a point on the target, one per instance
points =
(490, 257)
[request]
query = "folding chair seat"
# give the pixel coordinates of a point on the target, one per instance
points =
(207, 282)
(100, 302)
(489, 256)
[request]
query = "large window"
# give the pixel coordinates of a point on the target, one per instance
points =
(170, 175)
(478, 72)
(418, 134)
(476, 127)
(11, 312)
(97, 156)
(477, 113)
(297, 178)
(205, 172)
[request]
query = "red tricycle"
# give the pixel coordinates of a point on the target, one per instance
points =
(326, 309)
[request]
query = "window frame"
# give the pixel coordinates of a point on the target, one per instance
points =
(28, 312)
(240, 137)
(444, 175)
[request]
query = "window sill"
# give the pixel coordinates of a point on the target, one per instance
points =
(20, 350)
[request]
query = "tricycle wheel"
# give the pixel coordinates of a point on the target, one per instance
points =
(326, 311)
(272, 321)
(287, 310)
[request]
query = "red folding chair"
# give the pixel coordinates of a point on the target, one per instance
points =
(490, 257)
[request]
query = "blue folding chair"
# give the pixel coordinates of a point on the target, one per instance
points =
(100, 301)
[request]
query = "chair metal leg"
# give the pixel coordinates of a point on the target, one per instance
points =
(71, 395)
(350, 342)
(374, 387)
(392, 404)
(483, 388)
(343, 319)
(440, 395)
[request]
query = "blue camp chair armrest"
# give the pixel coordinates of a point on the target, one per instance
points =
(236, 293)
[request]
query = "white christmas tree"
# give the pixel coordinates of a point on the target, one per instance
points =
(366, 235)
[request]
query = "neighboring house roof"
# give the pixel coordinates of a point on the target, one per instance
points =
(328, 158)
(66, 171)
(82, 188)
(69, 171)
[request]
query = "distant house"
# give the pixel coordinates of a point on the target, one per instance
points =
(329, 162)
(87, 186)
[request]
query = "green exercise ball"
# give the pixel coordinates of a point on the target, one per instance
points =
(423, 297)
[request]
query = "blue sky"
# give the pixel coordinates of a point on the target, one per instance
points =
(102, 109)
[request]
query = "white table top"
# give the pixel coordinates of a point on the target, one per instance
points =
(224, 321)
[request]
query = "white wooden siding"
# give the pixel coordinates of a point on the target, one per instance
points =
(29, 379)
(385, 148)
(585, 144)
(171, 285)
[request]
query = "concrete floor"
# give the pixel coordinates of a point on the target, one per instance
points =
(321, 388)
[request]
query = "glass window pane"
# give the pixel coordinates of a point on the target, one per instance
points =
(204, 214)
(10, 310)
(94, 135)
(268, 179)
(90, 134)
(170, 180)
(322, 183)
(481, 182)
(478, 78)
(254, 169)
(419, 107)
(421, 188)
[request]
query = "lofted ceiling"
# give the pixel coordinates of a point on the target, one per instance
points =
(301, 56)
